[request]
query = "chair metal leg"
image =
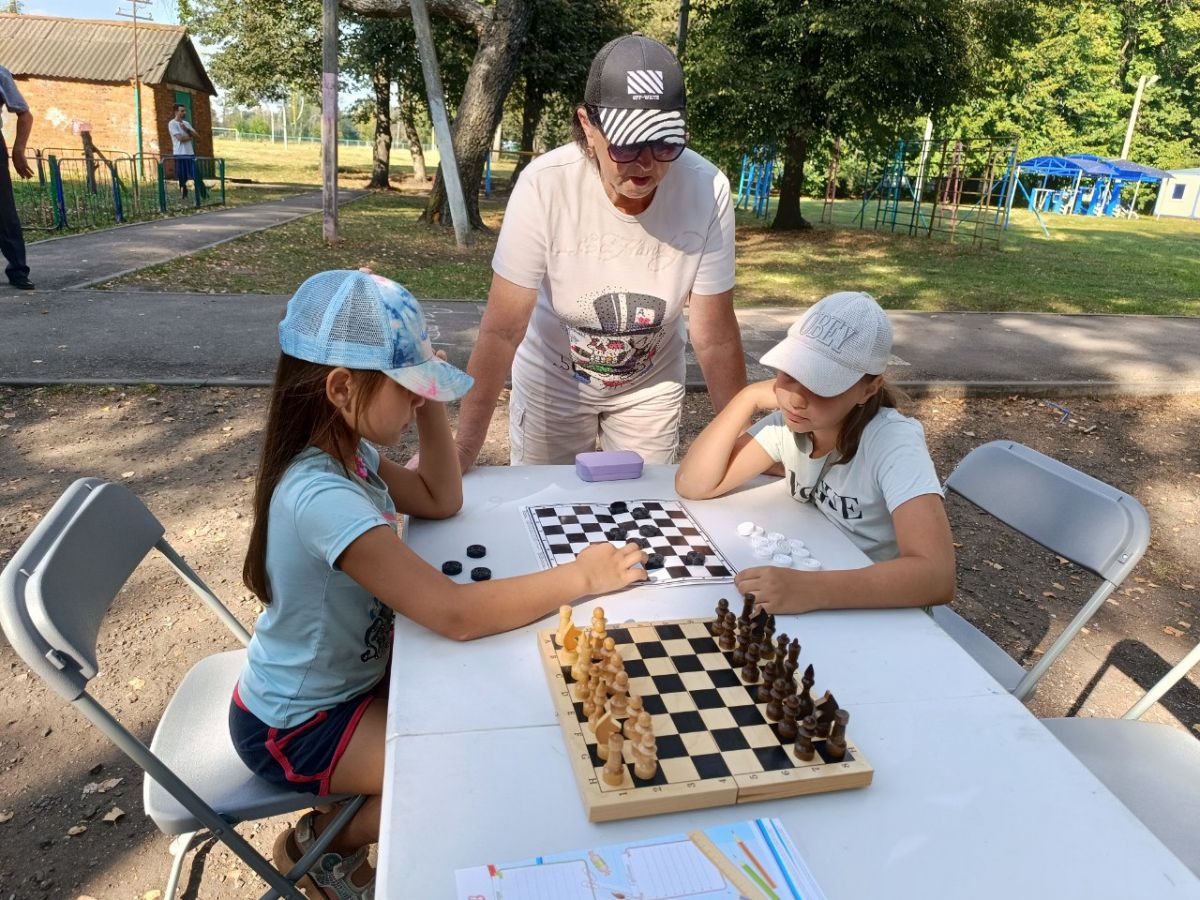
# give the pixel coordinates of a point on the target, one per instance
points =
(1167, 682)
(179, 849)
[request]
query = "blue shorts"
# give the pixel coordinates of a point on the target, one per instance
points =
(304, 756)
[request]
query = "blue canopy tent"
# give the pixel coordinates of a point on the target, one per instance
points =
(1068, 200)
(1127, 170)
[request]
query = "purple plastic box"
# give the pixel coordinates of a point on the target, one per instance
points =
(608, 465)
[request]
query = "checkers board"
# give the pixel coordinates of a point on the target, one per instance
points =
(716, 746)
(562, 531)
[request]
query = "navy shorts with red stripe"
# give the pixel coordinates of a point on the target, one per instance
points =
(304, 756)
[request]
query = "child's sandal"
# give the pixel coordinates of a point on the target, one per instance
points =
(329, 878)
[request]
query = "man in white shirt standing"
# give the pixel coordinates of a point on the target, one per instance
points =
(12, 242)
(182, 147)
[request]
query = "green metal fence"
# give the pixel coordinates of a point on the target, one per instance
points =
(72, 193)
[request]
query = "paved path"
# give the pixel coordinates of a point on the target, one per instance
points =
(111, 336)
(77, 261)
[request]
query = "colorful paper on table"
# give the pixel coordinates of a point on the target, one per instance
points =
(755, 860)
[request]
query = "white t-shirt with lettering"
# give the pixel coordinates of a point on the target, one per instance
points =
(891, 467)
(611, 286)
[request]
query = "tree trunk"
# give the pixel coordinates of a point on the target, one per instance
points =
(787, 216)
(381, 159)
(408, 120)
(492, 73)
(531, 116)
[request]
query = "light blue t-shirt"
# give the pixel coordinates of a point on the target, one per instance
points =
(891, 467)
(323, 639)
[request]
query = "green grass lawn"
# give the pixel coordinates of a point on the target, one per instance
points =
(1086, 265)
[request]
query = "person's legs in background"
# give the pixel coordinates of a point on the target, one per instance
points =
(546, 431)
(646, 421)
(12, 242)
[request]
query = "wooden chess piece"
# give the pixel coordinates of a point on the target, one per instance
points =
(766, 649)
(599, 698)
(781, 648)
(788, 672)
(835, 747)
(567, 634)
(582, 675)
(618, 703)
(787, 728)
(794, 651)
(611, 665)
(747, 608)
(719, 621)
(805, 749)
(632, 712)
(750, 669)
(738, 658)
(826, 709)
(606, 727)
(645, 755)
(727, 633)
(614, 764)
(769, 673)
(582, 643)
(774, 710)
(806, 700)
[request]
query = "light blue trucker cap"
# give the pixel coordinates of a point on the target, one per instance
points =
(364, 321)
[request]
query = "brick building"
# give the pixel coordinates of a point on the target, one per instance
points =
(79, 71)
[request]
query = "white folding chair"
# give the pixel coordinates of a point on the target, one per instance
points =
(1152, 768)
(55, 592)
(1088, 522)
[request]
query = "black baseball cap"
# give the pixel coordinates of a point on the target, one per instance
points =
(636, 85)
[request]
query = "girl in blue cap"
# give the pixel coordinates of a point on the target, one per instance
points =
(325, 560)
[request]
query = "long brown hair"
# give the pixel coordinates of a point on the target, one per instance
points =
(850, 434)
(300, 416)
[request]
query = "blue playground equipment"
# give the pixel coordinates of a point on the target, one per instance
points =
(1087, 185)
(757, 178)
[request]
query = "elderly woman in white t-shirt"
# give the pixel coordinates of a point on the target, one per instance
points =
(604, 243)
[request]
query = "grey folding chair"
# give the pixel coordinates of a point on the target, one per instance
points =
(1094, 525)
(55, 592)
(1152, 768)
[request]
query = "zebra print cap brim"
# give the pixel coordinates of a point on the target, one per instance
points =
(623, 127)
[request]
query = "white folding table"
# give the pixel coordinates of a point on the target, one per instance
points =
(972, 796)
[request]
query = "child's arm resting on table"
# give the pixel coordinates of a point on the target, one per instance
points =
(380, 562)
(922, 575)
(434, 489)
(724, 456)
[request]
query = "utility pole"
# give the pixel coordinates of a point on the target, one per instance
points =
(329, 117)
(681, 34)
(1143, 83)
(137, 68)
(441, 125)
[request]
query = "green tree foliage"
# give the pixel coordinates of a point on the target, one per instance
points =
(790, 74)
(1070, 89)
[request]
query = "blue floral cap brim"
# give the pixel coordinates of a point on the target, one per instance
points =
(434, 379)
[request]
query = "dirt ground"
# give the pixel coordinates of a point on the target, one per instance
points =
(71, 823)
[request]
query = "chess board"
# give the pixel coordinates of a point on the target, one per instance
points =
(716, 746)
(560, 532)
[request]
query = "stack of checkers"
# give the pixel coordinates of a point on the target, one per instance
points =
(715, 719)
(780, 549)
(453, 567)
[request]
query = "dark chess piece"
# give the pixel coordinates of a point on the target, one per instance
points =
(766, 650)
(750, 669)
(725, 642)
(781, 647)
(805, 749)
(806, 700)
(826, 709)
(835, 747)
(743, 642)
(747, 608)
(794, 651)
(719, 621)
(769, 673)
(774, 710)
(788, 728)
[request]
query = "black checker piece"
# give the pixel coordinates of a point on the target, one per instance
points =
(707, 699)
(730, 739)
(655, 561)
(650, 531)
(639, 512)
(619, 507)
(688, 722)
(711, 765)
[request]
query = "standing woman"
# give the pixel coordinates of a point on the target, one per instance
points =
(604, 242)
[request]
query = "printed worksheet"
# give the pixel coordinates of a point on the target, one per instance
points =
(755, 860)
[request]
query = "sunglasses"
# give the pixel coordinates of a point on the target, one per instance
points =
(663, 151)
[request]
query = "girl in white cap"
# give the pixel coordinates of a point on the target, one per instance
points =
(325, 561)
(843, 446)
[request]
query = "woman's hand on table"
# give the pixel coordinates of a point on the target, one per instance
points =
(608, 568)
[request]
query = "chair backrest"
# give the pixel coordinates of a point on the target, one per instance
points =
(1094, 525)
(57, 588)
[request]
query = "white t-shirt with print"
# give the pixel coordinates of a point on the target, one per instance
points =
(181, 138)
(611, 286)
(891, 467)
